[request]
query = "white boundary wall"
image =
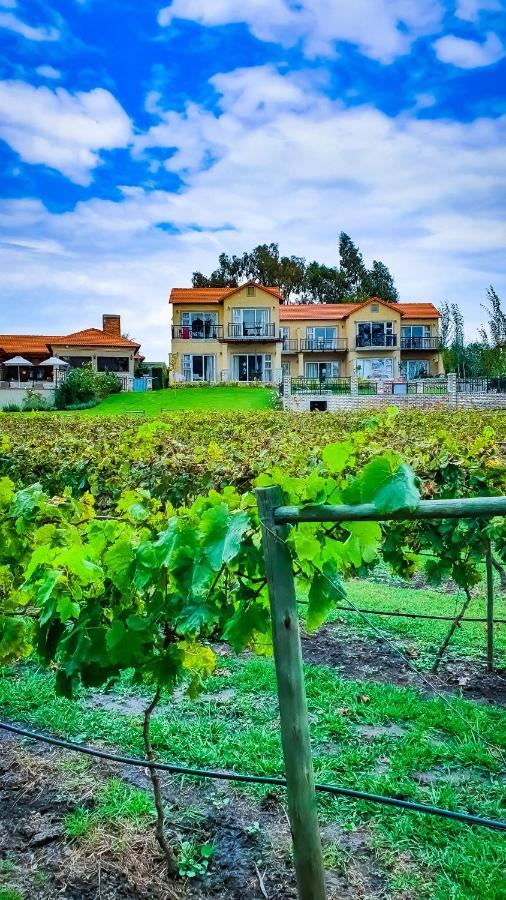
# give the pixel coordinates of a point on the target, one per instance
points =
(450, 400)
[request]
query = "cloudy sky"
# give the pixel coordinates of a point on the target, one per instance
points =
(138, 141)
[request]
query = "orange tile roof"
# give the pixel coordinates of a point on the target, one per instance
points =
(93, 337)
(419, 310)
(215, 294)
(293, 311)
(329, 311)
(41, 344)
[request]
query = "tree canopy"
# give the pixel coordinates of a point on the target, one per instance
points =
(304, 282)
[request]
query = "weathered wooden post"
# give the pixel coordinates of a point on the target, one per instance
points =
(292, 701)
(490, 609)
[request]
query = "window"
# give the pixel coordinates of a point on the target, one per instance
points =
(415, 337)
(198, 325)
(415, 368)
(75, 362)
(198, 367)
(251, 290)
(252, 322)
(320, 336)
(321, 370)
(374, 307)
(375, 368)
(113, 364)
(285, 368)
(376, 334)
(284, 333)
(252, 367)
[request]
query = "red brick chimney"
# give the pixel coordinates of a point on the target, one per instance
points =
(111, 325)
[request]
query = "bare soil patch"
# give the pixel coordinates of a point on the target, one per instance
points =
(371, 659)
(117, 861)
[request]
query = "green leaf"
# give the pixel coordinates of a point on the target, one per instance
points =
(366, 537)
(222, 534)
(400, 492)
(336, 456)
(323, 593)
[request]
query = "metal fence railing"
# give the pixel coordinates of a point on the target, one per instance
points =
(482, 385)
(321, 385)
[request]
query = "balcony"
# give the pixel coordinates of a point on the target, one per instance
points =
(290, 345)
(375, 341)
(189, 333)
(264, 331)
(323, 346)
(421, 343)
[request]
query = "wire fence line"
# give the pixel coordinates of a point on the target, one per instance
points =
(174, 769)
(397, 650)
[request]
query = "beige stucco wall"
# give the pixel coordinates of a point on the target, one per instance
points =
(224, 350)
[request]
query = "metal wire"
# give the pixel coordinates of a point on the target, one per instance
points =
(383, 637)
(466, 818)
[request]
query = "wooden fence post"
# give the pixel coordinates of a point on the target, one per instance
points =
(292, 702)
(490, 609)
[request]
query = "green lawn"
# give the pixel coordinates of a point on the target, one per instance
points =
(153, 402)
(430, 755)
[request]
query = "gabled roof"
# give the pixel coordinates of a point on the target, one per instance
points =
(93, 337)
(329, 311)
(41, 344)
(215, 294)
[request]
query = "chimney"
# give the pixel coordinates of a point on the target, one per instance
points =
(111, 325)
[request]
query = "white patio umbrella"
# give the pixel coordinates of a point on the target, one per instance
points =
(55, 361)
(57, 364)
(18, 361)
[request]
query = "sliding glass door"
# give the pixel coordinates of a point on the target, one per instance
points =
(252, 367)
(199, 367)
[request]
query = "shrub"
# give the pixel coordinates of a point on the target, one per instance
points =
(84, 387)
(78, 387)
(11, 407)
(34, 401)
(107, 383)
(75, 406)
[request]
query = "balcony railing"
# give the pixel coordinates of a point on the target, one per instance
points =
(189, 333)
(242, 332)
(290, 345)
(420, 343)
(323, 346)
(375, 341)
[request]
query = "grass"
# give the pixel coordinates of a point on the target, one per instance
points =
(151, 403)
(242, 733)
(117, 801)
(425, 636)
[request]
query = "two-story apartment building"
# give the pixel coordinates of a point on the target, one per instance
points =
(247, 334)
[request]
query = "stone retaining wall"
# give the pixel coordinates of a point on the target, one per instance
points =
(450, 400)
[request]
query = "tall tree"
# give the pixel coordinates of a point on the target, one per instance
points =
(445, 324)
(496, 335)
(324, 284)
(351, 265)
(380, 283)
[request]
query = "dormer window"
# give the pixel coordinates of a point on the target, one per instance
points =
(251, 290)
(374, 307)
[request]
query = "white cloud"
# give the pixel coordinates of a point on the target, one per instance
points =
(30, 32)
(62, 130)
(48, 72)
(381, 29)
(468, 54)
(469, 10)
(280, 162)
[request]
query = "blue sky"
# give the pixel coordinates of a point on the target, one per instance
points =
(140, 140)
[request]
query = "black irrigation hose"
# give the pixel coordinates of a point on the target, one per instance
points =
(495, 824)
